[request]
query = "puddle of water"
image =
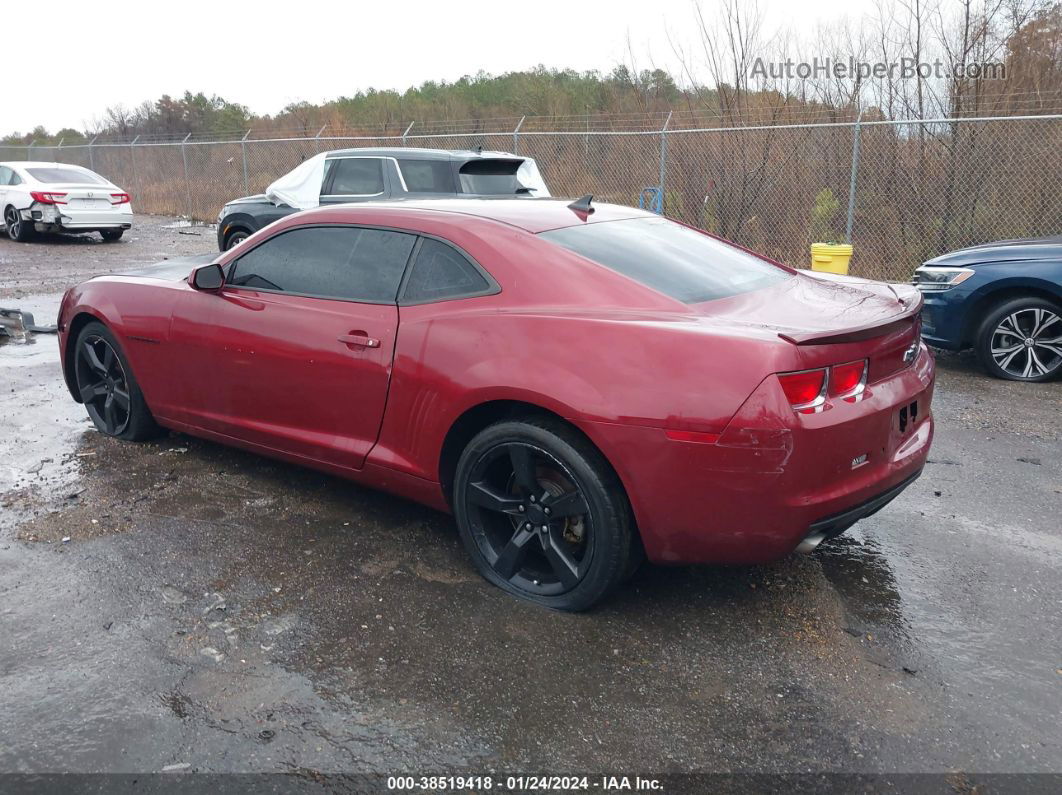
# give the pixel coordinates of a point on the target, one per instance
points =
(40, 424)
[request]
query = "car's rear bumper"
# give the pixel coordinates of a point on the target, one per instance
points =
(833, 526)
(774, 475)
(59, 218)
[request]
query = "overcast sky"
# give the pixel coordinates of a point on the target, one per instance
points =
(267, 54)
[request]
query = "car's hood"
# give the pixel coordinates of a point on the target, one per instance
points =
(817, 308)
(258, 198)
(1032, 250)
(171, 270)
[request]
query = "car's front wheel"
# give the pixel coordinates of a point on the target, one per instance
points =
(542, 514)
(107, 387)
(235, 238)
(17, 228)
(1021, 340)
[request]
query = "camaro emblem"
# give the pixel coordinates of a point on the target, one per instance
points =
(910, 353)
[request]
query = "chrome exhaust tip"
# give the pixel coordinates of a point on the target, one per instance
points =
(809, 544)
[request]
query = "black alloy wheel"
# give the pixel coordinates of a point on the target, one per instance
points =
(106, 385)
(102, 384)
(17, 229)
(542, 514)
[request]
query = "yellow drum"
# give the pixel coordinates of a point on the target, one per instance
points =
(830, 257)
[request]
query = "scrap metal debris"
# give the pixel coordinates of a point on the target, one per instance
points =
(19, 325)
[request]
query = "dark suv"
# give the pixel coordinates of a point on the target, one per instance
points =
(378, 174)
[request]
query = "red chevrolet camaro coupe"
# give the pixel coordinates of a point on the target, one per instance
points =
(580, 385)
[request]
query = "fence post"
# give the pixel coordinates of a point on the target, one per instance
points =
(663, 159)
(852, 180)
(516, 136)
(132, 164)
(410, 127)
(187, 179)
(243, 154)
(30, 149)
(92, 158)
(317, 138)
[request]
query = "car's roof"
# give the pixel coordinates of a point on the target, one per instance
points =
(410, 152)
(531, 215)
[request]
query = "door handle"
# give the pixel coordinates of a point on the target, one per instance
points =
(361, 339)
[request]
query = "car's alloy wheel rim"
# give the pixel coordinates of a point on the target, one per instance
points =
(102, 384)
(1028, 343)
(235, 240)
(530, 519)
(14, 224)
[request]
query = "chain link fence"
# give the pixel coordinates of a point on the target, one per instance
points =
(900, 192)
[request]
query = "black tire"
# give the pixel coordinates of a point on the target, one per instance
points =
(18, 228)
(105, 382)
(542, 514)
(111, 235)
(1021, 340)
(235, 237)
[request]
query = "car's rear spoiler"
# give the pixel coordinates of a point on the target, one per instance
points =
(856, 333)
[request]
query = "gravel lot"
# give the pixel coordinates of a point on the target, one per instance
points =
(180, 603)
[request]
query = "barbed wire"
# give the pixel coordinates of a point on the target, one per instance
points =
(1024, 103)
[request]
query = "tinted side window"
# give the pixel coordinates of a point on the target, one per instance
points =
(5, 175)
(357, 176)
(328, 262)
(427, 176)
(15, 179)
(441, 272)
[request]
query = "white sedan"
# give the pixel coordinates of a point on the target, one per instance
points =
(56, 197)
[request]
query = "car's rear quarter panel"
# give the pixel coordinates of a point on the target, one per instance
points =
(751, 497)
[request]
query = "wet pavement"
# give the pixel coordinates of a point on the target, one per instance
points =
(181, 605)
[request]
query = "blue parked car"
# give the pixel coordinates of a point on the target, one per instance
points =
(1002, 299)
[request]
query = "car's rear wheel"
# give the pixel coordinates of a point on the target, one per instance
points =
(110, 235)
(107, 387)
(235, 238)
(17, 228)
(542, 514)
(1021, 340)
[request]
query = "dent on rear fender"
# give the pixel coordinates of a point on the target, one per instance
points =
(757, 439)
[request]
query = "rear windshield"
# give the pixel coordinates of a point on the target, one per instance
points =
(491, 177)
(670, 258)
(57, 175)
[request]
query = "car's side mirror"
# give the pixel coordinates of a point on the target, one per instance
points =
(209, 277)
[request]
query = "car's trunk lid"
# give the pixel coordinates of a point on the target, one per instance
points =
(85, 196)
(827, 316)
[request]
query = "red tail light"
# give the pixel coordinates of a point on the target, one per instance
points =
(47, 197)
(848, 379)
(119, 198)
(805, 390)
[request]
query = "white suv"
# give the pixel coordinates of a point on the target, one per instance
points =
(55, 197)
